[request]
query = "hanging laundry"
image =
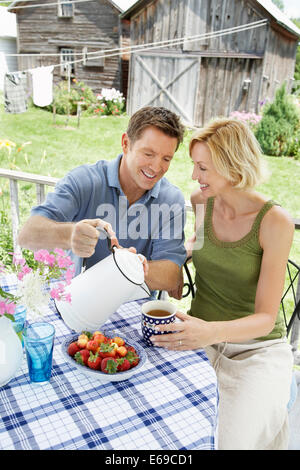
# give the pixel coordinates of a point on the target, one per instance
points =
(15, 92)
(42, 85)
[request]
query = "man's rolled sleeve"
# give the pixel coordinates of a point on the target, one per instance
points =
(62, 205)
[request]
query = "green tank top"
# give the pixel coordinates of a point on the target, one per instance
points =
(227, 274)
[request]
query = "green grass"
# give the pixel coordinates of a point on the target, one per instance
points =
(55, 149)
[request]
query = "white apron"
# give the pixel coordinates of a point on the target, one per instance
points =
(254, 381)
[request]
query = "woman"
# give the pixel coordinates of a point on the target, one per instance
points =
(240, 274)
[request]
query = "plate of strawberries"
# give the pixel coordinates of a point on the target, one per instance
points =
(105, 356)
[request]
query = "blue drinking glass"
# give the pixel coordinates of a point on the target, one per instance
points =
(18, 324)
(39, 342)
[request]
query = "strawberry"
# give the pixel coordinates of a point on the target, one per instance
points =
(73, 348)
(131, 348)
(94, 361)
(122, 351)
(82, 341)
(82, 356)
(100, 338)
(109, 365)
(107, 350)
(87, 334)
(119, 341)
(92, 345)
(96, 333)
(133, 358)
(123, 364)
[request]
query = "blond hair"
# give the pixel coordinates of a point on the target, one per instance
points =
(235, 152)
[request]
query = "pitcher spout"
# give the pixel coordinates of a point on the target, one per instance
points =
(141, 292)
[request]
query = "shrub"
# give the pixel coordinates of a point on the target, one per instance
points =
(278, 125)
(294, 145)
(109, 101)
(6, 242)
(64, 99)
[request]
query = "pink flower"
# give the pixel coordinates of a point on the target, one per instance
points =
(67, 297)
(60, 252)
(47, 266)
(49, 259)
(6, 307)
(2, 307)
(41, 255)
(55, 294)
(64, 262)
(25, 270)
(18, 261)
(69, 275)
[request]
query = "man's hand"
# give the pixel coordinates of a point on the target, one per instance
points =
(142, 258)
(177, 291)
(84, 236)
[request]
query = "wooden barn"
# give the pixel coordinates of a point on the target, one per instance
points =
(72, 31)
(215, 75)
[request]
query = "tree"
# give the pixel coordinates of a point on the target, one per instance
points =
(279, 4)
(278, 125)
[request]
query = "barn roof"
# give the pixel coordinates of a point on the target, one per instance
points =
(8, 26)
(121, 5)
(267, 5)
(279, 16)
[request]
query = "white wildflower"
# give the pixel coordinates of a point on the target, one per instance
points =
(32, 294)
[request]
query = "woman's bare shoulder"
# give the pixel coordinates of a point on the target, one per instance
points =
(278, 215)
(277, 223)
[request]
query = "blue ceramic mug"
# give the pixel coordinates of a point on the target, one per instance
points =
(156, 312)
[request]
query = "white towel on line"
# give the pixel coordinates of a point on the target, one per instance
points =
(42, 85)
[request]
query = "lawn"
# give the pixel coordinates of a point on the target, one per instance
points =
(55, 149)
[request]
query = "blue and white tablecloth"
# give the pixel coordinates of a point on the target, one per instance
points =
(171, 404)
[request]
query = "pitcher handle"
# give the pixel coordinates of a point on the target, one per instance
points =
(110, 246)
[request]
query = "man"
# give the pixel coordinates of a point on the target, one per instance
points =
(127, 197)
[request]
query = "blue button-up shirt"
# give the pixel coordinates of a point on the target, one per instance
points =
(154, 224)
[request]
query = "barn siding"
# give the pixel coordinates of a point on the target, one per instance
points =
(279, 64)
(224, 62)
(95, 25)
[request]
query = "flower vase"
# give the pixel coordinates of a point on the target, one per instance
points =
(11, 351)
(19, 321)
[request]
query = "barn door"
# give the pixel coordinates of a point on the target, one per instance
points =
(164, 80)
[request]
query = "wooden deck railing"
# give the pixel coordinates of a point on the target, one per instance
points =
(15, 176)
(42, 181)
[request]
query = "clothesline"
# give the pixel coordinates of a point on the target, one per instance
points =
(166, 43)
(234, 29)
(49, 4)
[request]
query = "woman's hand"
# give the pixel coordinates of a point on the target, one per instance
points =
(190, 333)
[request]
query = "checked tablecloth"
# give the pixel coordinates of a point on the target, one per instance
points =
(170, 404)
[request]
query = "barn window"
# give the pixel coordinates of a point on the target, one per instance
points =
(65, 9)
(66, 57)
(92, 57)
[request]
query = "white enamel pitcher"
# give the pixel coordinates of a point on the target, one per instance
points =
(100, 290)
